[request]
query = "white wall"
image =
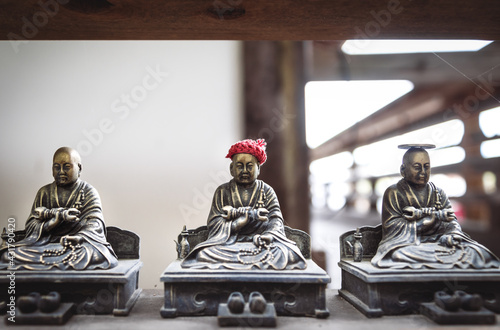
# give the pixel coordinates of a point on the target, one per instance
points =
(155, 159)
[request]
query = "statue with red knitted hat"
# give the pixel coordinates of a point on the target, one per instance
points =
(245, 224)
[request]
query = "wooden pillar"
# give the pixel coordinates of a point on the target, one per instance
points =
(274, 110)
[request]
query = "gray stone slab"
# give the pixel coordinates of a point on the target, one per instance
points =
(441, 316)
(369, 273)
(247, 319)
(174, 273)
(58, 317)
(145, 316)
(117, 274)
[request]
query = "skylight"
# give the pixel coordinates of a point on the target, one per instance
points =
(488, 121)
(332, 168)
(371, 47)
(333, 106)
(490, 149)
(447, 134)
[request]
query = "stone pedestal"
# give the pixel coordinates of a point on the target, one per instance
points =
(190, 292)
(376, 292)
(111, 291)
(383, 291)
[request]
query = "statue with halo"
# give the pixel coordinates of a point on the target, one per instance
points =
(419, 259)
(419, 227)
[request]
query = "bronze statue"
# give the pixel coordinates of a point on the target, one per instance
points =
(65, 229)
(419, 227)
(245, 223)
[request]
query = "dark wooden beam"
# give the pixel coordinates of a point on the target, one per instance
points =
(247, 19)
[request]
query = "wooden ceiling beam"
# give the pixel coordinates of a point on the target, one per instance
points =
(330, 63)
(422, 107)
(247, 19)
(445, 84)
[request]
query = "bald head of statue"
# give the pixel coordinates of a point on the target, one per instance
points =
(66, 166)
(416, 167)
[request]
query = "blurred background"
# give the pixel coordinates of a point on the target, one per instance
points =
(153, 121)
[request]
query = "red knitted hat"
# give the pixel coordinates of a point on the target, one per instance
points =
(252, 147)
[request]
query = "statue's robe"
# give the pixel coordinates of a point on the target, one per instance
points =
(225, 248)
(407, 243)
(38, 248)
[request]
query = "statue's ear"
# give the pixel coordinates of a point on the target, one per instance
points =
(402, 170)
(231, 167)
(79, 169)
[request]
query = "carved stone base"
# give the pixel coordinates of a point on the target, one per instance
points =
(111, 291)
(193, 292)
(57, 317)
(441, 316)
(376, 292)
(247, 319)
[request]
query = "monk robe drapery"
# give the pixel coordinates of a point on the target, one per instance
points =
(407, 243)
(42, 250)
(236, 250)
